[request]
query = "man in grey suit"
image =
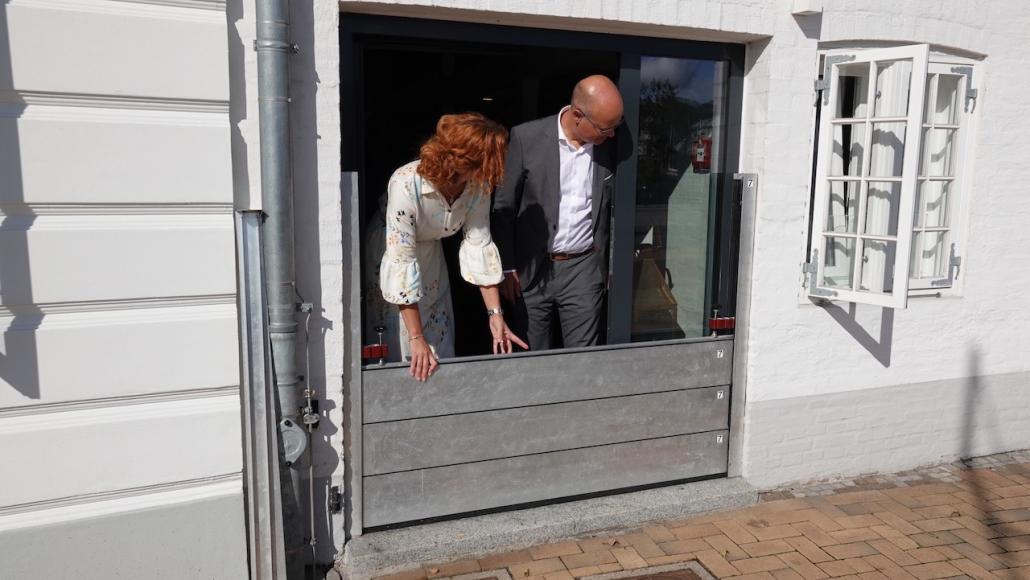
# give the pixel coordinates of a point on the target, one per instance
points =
(550, 216)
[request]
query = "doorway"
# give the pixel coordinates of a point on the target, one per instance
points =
(652, 406)
(407, 84)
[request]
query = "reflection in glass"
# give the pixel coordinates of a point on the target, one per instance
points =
(932, 199)
(883, 202)
(929, 258)
(878, 266)
(887, 155)
(945, 110)
(853, 91)
(677, 168)
(848, 143)
(893, 85)
(843, 210)
(937, 155)
(838, 261)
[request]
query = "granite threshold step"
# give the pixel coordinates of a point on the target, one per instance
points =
(384, 552)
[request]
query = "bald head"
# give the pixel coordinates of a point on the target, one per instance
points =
(598, 98)
(595, 90)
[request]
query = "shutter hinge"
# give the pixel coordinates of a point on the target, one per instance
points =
(811, 270)
(971, 93)
(822, 84)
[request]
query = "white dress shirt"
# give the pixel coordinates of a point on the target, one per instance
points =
(576, 177)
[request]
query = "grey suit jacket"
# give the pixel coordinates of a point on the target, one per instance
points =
(524, 219)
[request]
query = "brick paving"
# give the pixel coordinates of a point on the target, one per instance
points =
(963, 520)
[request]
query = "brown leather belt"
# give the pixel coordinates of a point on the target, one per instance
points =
(562, 256)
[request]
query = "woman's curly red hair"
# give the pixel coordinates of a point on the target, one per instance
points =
(466, 147)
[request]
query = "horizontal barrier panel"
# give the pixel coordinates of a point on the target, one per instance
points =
(440, 491)
(390, 394)
(464, 438)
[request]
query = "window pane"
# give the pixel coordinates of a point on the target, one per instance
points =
(677, 173)
(887, 157)
(927, 97)
(852, 91)
(843, 210)
(945, 110)
(938, 152)
(882, 204)
(838, 261)
(878, 266)
(893, 80)
(848, 143)
(929, 256)
(932, 201)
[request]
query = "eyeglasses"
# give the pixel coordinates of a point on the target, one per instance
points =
(606, 131)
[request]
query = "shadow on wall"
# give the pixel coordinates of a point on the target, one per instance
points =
(879, 346)
(308, 242)
(19, 317)
(811, 25)
(979, 416)
(980, 433)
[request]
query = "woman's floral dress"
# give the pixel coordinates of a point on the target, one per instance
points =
(412, 270)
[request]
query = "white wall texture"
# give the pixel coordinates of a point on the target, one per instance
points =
(843, 390)
(836, 390)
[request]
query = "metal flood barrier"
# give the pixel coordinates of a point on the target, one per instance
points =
(486, 432)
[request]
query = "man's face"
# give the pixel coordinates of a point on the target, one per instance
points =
(599, 123)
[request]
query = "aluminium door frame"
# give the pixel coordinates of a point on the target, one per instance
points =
(356, 27)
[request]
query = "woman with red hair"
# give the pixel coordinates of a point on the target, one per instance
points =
(445, 190)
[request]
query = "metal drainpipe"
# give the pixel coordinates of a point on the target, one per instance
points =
(274, 50)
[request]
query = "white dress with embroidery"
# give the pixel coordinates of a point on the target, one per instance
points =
(412, 268)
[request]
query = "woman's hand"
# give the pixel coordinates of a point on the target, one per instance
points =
(423, 359)
(503, 336)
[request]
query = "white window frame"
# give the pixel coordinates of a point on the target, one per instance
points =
(815, 268)
(961, 193)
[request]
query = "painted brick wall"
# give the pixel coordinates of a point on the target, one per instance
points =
(818, 377)
(812, 370)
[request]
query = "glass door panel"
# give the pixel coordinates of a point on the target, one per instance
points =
(678, 147)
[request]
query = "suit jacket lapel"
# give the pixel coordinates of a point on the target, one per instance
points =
(552, 183)
(601, 171)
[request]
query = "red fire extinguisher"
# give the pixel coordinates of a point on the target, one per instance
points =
(701, 153)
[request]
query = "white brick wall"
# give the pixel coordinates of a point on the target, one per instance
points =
(808, 366)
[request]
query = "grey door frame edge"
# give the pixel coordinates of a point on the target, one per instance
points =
(742, 313)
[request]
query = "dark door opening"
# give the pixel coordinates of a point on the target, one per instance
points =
(406, 85)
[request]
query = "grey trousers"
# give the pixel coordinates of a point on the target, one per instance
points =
(571, 293)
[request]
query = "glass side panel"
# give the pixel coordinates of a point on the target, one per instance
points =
(678, 171)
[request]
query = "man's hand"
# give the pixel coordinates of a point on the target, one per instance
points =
(510, 287)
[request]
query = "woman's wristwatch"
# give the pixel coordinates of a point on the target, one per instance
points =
(492, 311)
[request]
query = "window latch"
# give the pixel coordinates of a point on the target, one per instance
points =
(822, 84)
